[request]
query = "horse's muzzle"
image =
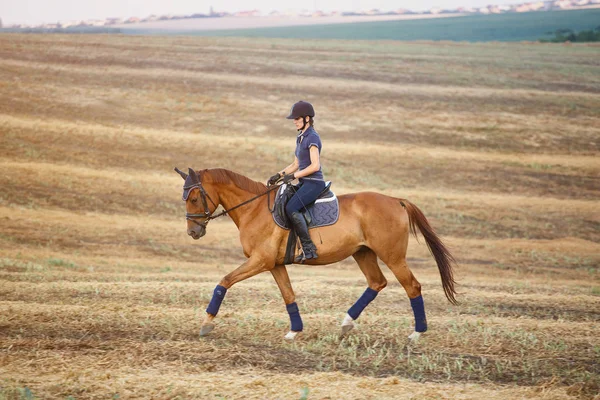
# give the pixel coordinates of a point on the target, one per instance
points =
(197, 232)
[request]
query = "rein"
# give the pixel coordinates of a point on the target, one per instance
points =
(207, 215)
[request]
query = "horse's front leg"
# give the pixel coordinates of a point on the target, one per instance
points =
(248, 269)
(285, 286)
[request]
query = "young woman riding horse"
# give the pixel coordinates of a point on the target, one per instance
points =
(307, 168)
(370, 226)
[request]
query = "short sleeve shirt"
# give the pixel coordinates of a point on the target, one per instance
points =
(304, 142)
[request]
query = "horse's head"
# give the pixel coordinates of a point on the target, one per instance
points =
(199, 205)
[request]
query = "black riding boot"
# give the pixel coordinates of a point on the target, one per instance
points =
(308, 247)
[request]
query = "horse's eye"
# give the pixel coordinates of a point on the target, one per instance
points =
(194, 200)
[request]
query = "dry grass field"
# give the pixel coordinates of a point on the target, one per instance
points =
(102, 291)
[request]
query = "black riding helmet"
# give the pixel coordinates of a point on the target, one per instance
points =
(301, 109)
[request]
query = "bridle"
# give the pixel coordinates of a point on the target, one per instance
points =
(207, 214)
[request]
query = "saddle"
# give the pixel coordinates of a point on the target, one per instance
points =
(322, 212)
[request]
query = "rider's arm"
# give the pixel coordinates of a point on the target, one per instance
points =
(290, 169)
(314, 166)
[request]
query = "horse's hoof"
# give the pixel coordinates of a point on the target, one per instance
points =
(291, 336)
(206, 329)
(414, 337)
(346, 329)
(347, 325)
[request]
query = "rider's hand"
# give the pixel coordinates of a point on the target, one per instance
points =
(288, 178)
(273, 180)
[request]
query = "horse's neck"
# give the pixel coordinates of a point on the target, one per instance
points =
(231, 196)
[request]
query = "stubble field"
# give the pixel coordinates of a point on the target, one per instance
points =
(102, 291)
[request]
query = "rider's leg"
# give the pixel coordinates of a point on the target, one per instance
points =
(306, 194)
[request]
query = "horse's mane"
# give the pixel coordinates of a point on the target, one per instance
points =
(221, 175)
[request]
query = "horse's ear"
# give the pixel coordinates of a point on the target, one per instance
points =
(183, 174)
(193, 175)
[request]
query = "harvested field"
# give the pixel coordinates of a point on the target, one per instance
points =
(102, 292)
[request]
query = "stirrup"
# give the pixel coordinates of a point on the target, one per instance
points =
(300, 258)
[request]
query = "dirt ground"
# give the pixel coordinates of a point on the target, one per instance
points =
(102, 291)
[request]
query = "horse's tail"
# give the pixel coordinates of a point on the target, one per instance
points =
(440, 252)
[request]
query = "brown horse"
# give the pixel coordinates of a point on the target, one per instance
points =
(370, 225)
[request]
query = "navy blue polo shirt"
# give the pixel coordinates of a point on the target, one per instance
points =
(304, 142)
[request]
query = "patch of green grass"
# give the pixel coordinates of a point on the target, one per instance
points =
(21, 265)
(58, 262)
(538, 166)
(304, 393)
(16, 393)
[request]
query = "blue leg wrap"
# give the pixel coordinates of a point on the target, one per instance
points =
(292, 309)
(217, 299)
(419, 311)
(364, 300)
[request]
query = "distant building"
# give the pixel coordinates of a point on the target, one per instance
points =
(536, 6)
(95, 22)
(0, 23)
(113, 21)
(68, 24)
(563, 4)
(250, 13)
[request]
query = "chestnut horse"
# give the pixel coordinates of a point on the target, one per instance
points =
(370, 225)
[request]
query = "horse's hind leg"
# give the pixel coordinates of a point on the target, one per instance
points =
(413, 290)
(285, 286)
(367, 261)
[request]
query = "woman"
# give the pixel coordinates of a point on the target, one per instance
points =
(307, 168)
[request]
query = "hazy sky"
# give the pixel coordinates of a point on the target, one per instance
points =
(37, 11)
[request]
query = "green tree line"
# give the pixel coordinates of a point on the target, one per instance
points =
(568, 35)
